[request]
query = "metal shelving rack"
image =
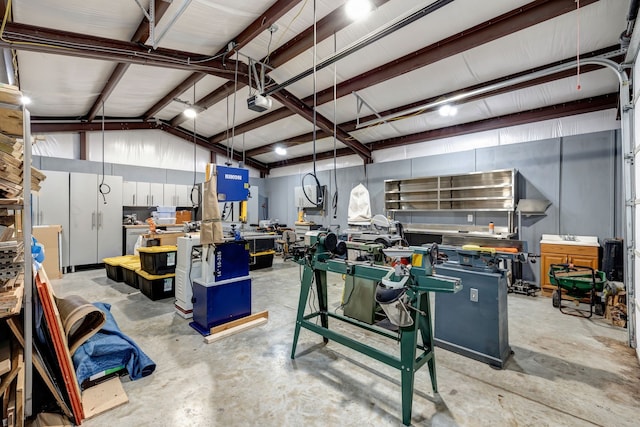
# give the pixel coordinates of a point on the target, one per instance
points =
(493, 191)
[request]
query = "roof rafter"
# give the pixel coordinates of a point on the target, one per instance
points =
(260, 24)
(515, 20)
(581, 106)
(141, 34)
(57, 42)
(351, 125)
(325, 28)
(75, 126)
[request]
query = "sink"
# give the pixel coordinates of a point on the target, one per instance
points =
(564, 239)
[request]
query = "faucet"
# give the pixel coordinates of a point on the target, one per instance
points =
(569, 237)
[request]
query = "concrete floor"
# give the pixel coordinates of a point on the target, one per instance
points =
(565, 371)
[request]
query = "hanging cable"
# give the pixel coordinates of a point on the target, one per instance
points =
(195, 201)
(578, 87)
(334, 201)
(319, 193)
(233, 121)
(103, 188)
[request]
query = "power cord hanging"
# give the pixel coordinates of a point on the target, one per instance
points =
(319, 193)
(103, 188)
(334, 201)
(194, 189)
(233, 121)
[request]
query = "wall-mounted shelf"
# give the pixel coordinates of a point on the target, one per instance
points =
(475, 191)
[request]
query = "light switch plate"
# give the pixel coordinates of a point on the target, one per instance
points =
(474, 295)
(470, 218)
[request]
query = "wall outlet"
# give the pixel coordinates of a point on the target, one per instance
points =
(469, 218)
(474, 295)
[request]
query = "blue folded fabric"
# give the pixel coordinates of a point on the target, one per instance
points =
(109, 349)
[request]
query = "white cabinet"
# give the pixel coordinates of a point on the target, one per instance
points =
(95, 223)
(129, 193)
(142, 194)
(149, 194)
(177, 195)
(50, 206)
(183, 195)
(170, 195)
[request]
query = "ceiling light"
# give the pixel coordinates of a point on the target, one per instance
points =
(281, 151)
(190, 113)
(25, 100)
(357, 9)
(448, 111)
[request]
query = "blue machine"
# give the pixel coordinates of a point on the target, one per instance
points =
(233, 184)
(224, 293)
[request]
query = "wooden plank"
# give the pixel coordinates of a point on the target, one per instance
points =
(103, 397)
(20, 397)
(238, 322)
(12, 307)
(38, 363)
(11, 122)
(5, 356)
(16, 359)
(10, 94)
(8, 158)
(224, 334)
(54, 324)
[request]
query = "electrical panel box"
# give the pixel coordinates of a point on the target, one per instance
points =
(311, 191)
(233, 184)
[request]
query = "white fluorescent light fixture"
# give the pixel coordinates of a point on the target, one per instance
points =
(357, 9)
(281, 151)
(190, 113)
(25, 100)
(448, 111)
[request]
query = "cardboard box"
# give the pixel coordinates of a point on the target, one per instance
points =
(50, 236)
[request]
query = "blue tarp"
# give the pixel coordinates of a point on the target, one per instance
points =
(108, 349)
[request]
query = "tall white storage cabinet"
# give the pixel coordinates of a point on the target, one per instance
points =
(51, 207)
(95, 226)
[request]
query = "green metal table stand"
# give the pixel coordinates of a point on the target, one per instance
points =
(412, 283)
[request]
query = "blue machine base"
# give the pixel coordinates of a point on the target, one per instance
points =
(203, 331)
(220, 302)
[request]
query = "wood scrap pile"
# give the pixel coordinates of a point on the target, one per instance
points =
(11, 145)
(11, 277)
(11, 382)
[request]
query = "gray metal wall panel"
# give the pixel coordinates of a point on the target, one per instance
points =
(377, 173)
(538, 169)
(443, 164)
(587, 186)
(141, 174)
(71, 165)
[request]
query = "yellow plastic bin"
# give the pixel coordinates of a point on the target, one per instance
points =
(157, 260)
(113, 266)
(129, 269)
(156, 286)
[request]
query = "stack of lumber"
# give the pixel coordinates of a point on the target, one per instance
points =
(11, 383)
(11, 145)
(11, 276)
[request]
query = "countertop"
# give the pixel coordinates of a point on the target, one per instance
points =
(460, 230)
(566, 239)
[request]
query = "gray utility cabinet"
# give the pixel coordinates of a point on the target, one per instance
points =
(95, 227)
(475, 191)
(474, 322)
(50, 206)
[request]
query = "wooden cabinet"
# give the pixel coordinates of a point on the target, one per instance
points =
(582, 256)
